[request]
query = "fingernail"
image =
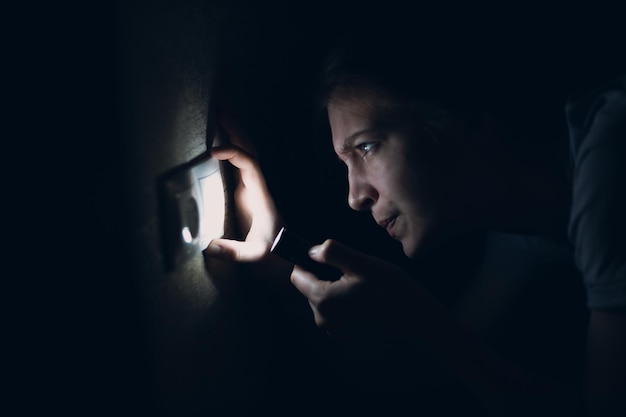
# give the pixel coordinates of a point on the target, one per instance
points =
(314, 250)
(213, 249)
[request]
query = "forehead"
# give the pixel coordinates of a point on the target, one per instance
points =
(349, 114)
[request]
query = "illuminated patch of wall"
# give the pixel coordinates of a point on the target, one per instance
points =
(192, 209)
(197, 345)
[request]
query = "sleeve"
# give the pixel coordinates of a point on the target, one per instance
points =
(597, 228)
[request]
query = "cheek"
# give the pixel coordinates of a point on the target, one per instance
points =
(390, 181)
(407, 180)
(415, 189)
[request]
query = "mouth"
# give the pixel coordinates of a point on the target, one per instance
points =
(388, 224)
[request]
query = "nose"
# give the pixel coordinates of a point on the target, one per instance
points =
(361, 194)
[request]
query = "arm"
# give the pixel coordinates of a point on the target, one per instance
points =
(501, 386)
(597, 125)
(379, 299)
(605, 376)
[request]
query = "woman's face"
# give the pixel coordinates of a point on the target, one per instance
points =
(396, 171)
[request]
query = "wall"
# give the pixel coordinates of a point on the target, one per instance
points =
(197, 346)
(207, 340)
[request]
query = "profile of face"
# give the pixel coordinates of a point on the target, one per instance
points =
(396, 171)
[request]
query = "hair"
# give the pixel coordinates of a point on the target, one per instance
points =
(436, 71)
(408, 63)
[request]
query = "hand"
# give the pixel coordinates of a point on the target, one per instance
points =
(373, 297)
(256, 212)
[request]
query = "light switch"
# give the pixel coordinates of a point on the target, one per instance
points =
(192, 205)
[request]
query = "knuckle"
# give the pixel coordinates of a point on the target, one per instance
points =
(318, 297)
(320, 321)
(329, 243)
(326, 249)
(237, 255)
(325, 305)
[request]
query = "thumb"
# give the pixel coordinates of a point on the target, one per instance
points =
(340, 256)
(233, 250)
(235, 131)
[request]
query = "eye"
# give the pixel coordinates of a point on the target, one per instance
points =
(366, 147)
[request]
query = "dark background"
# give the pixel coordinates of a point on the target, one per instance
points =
(107, 96)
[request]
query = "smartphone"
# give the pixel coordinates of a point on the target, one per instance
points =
(295, 249)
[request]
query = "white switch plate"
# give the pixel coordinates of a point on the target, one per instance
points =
(192, 204)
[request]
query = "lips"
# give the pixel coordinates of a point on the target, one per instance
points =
(388, 224)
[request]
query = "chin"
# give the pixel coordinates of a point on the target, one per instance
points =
(416, 245)
(411, 254)
(411, 247)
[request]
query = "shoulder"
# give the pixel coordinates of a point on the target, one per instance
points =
(597, 128)
(605, 101)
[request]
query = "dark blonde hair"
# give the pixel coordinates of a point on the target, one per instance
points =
(431, 80)
(434, 73)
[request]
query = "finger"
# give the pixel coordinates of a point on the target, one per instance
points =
(236, 134)
(308, 284)
(340, 256)
(320, 294)
(239, 157)
(245, 162)
(236, 251)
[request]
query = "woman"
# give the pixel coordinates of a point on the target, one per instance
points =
(431, 153)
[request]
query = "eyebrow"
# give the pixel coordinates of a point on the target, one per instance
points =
(348, 142)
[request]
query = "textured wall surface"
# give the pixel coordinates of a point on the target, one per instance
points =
(196, 345)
